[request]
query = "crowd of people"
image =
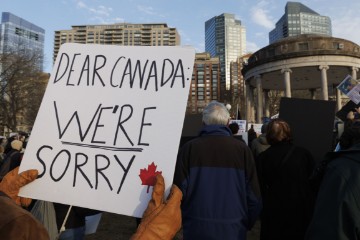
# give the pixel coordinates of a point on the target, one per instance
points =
(222, 186)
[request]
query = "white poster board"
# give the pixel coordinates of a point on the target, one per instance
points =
(351, 88)
(110, 120)
(257, 127)
(242, 125)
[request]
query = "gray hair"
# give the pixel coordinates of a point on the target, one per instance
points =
(215, 113)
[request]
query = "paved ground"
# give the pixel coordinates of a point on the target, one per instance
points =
(119, 227)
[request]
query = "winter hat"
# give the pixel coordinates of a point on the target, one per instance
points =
(16, 144)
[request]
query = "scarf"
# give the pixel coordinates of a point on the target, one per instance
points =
(215, 130)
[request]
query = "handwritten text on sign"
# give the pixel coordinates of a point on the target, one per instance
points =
(109, 113)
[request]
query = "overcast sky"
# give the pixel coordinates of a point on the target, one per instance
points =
(259, 17)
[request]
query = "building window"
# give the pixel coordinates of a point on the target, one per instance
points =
(303, 46)
(337, 45)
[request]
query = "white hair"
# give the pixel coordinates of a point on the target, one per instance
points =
(215, 113)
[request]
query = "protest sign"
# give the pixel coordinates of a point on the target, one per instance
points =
(241, 123)
(257, 127)
(311, 122)
(110, 120)
(351, 88)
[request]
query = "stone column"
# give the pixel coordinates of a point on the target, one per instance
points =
(312, 93)
(248, 102)
(286, 72)
(267, 103)
(338, 100)
(259, 109)
(252, 109)
(354, 71)
(324, 82)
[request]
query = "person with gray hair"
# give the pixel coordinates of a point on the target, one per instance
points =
(215, 113)
(217, 176)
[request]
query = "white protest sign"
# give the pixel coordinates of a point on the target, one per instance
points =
(242, 125)
(351, 88)
(257, 127)
(110, 120)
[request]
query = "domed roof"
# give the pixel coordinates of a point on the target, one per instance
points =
(304, 45)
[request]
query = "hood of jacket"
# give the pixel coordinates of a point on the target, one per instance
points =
(262, 139)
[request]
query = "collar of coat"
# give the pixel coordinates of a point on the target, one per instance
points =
(215, 130)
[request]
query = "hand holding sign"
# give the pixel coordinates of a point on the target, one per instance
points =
(161, 219)
(13, 181)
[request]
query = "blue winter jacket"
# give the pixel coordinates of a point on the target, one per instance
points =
(217, 176)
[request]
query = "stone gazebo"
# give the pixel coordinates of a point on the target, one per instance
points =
(305, 62)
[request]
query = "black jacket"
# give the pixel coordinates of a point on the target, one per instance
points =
(286, 191)
(337, 209)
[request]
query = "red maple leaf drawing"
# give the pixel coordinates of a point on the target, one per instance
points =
(148, 176)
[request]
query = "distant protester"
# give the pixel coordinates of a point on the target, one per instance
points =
(260, 144)
(251, 135)
(284, 171)
(12, 159)
(234, 127)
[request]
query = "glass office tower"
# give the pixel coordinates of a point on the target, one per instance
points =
(299, 19)
(225, 38)
(18, 33)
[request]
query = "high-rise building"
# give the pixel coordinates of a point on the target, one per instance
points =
(299, 19)
(237, 88)
(125, 34)
(225, 37)
(17, 33)
(205, 83)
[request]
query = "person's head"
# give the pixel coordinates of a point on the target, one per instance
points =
(234, 127)
(278, 131)
(350, 136)
(264, 128)
(22, 136)
(17, 145)
(215, 113)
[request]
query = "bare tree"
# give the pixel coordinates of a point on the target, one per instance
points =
(20, 76)
(34, 94)
(274, 98)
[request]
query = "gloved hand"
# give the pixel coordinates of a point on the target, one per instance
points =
(12, 182)
(161, 219)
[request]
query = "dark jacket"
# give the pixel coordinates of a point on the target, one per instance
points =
(286, 191)
(15, 158)
(251, 136)
(259, 145)
(337, 209)
(17, 223)
(217, 176)
(10, 162)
